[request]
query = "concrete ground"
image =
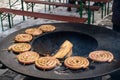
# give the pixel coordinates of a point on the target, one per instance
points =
(40, 8)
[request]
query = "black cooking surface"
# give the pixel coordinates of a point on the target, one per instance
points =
(51, 42)
(84, 37)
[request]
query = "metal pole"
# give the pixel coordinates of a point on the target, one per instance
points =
(92, 17)
(105, 9)
(9, 21)
(108, 8)
(80, 9)
(22, 6)
(89, 13)
(1, 21)
(102, 11)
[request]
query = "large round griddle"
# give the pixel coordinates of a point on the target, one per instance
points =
(85, 38)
